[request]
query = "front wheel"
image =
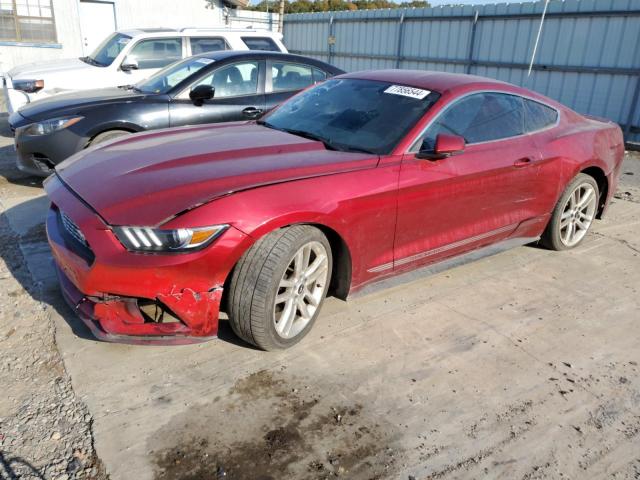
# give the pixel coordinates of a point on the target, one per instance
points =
(278, 287)
(573, 214)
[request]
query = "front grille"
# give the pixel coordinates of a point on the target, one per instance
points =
(73, 229)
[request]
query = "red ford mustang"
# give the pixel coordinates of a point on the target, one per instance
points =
(363, 177)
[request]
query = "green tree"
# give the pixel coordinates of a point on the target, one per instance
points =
(305, 6)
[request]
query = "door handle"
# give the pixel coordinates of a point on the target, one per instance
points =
(252, 112)
(523, 162)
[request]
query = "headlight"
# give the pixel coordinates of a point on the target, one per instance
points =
(144, 239)
(28, 86)
(49, 126)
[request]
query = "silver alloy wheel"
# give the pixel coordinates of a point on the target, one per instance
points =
(301, 289)
(578, 214)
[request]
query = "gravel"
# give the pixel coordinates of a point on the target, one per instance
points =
(45, 429)
(629, 185)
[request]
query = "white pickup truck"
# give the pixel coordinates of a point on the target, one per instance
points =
(126, 57)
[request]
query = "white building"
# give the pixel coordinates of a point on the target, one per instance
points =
(34, 30)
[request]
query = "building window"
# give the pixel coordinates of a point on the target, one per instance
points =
(27, 21)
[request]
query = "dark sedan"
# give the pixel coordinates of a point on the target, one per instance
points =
(210, 88)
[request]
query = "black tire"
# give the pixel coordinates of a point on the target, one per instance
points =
(255, 283)
(108, 135)
(551, 237)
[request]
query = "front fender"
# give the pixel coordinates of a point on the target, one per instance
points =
(134, 116)
(358, 206)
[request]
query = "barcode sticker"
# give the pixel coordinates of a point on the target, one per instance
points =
(407, 91)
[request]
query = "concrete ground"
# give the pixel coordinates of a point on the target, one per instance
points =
(520, 365)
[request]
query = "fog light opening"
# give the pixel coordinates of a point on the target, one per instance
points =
(154, 311)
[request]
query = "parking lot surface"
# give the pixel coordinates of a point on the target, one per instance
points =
(519, 365)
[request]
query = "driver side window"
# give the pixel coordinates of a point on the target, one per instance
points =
(233, 80)
(156, 53)
(480, 118)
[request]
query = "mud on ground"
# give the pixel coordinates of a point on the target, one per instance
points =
(629, 186)
(269, 428)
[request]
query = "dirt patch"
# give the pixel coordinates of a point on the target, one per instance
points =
(37, 233)
(257, 385)
(629, 184)
(627, 196)
(45, 429)
(270, 427)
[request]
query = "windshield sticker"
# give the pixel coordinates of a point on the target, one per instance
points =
(407, 91)
(124, 41)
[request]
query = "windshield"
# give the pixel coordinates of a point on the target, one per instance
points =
(353, 115)
(108, 50)
(172, 75)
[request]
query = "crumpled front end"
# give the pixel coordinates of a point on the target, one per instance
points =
(133, 297)
(194, 317)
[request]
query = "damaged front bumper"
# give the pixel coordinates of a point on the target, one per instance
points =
(131, 297)
(120, 319)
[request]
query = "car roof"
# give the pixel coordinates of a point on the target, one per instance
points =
(430, 80)
(203, 31)
(221, 55)
(132, 32)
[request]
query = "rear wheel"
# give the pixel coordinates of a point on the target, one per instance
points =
(573, 214)
(108, 135)
(278, 287)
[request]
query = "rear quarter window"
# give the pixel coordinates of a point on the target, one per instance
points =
(260, 43)
(207, 44)
(538, 116)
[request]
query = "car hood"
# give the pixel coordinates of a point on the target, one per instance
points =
(71, 103)
(38, 70)
(147, 179)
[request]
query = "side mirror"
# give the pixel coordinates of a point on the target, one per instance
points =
(201, 93)
(129, 64)
(446, 146)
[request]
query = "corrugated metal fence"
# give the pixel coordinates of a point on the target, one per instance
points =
(588, 57)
